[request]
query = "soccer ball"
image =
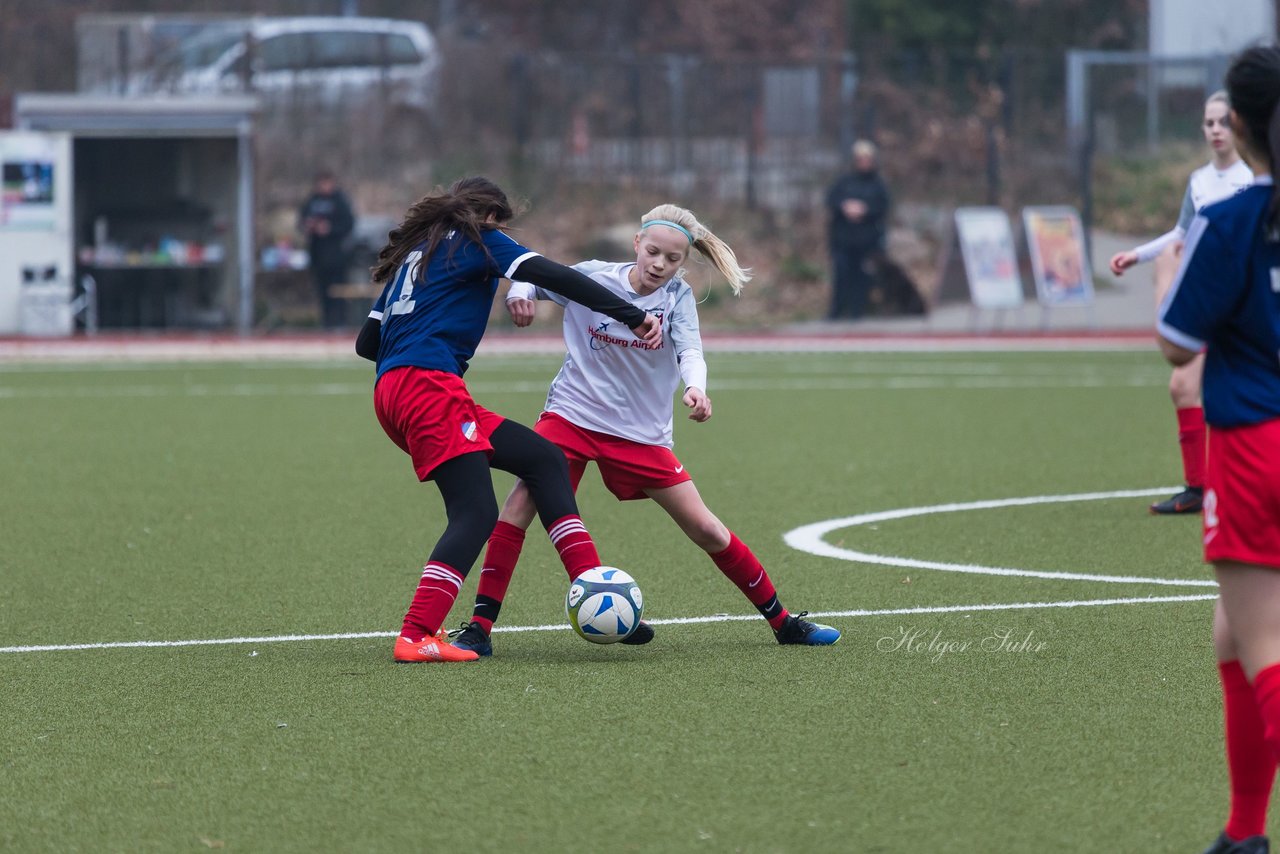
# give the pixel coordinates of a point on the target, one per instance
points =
(604, 605)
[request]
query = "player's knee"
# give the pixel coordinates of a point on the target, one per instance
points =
(710, 534)
(548, 461)
(486, 516)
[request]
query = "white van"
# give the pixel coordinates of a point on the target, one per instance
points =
(329, 58)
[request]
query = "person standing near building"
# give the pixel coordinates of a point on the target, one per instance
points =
(858, 213)
(326, 218)
(1224, 175)
(1224, 302)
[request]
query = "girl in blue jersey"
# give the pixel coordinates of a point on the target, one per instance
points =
(1225, 301)
(611, 404)
(1224, 175)
(440, 270)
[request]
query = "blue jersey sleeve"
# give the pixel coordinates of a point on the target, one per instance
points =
(1208, 285)
(380, 304)
(507, 254)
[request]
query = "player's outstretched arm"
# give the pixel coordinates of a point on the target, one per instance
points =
(568, 282)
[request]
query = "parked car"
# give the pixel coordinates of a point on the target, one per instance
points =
(328, 58)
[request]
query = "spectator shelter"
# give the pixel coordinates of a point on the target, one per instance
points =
(161, 208)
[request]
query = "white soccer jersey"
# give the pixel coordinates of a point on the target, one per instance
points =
(1206, 186)
(611, 381)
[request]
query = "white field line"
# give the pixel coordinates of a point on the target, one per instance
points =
(678, 621)
(809, 538)
(365, 389)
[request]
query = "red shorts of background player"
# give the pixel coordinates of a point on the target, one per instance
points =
(431, 416)
(1242, 495)
(627, 468)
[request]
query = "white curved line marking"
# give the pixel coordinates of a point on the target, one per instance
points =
(809, 538)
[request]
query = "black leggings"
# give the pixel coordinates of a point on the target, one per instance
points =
(467, 489)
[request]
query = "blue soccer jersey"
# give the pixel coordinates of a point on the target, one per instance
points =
(1226, 297)
(433, 314)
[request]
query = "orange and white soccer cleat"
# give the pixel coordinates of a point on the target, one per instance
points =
(430, 648)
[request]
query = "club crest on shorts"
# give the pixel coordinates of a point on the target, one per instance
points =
(469, 430)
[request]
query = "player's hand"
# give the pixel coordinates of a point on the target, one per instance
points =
(650, 330)
(699, 404)
(1122, 261)
(521, 311)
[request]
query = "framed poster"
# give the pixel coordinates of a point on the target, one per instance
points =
(1056, 240)
(28, 181)
(990, 262)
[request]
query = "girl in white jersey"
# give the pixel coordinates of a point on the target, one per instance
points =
(612, 403)
(1223, 176)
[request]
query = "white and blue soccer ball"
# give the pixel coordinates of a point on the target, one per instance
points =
(604, 605)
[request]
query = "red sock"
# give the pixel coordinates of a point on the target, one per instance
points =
(500, 560)
(577, 551)
(1251, 766)
(431, 603)
(741, 567)
(1191, 442)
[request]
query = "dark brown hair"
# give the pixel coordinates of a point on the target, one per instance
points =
(466, 206)
(1253, 86)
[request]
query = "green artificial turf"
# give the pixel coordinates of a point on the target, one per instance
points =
(219, 502)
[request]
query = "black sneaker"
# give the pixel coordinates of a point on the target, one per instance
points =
(1188, 500)
(1252, 845)
(642, 635)
(472, 637)
(797, 630)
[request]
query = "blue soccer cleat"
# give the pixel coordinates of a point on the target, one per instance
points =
(797, 630)
(472, 637)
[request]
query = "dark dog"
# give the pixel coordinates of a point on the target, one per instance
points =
(892, 291)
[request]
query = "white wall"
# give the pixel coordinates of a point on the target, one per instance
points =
(34, 236)
(1209, 26)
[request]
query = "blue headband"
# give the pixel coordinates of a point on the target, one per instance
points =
(669, 224)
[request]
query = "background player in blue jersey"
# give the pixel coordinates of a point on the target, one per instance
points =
(1223, 176)
(440, 270)
(611, 404)
(1225, 297)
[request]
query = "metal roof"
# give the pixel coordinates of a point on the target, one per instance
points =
(152, 115)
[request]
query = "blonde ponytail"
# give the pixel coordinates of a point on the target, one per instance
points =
(711, 247)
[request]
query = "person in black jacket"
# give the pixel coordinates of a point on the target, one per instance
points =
(858, 206)
(327, 220)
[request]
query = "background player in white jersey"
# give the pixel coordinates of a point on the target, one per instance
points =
(1223, 176)
(612, 403)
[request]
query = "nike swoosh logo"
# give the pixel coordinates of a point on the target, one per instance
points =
(679, 469)
(757, 581)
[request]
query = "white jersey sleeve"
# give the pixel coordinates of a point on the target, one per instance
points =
(686, 339)
(1205, 186)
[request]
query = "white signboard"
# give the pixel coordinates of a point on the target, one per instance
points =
(990, 261)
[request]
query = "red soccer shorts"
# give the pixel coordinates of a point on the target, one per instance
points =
(1242, 494)
(627, 468)
(431, 416)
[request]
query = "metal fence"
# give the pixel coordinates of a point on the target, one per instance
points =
(1011, 127)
